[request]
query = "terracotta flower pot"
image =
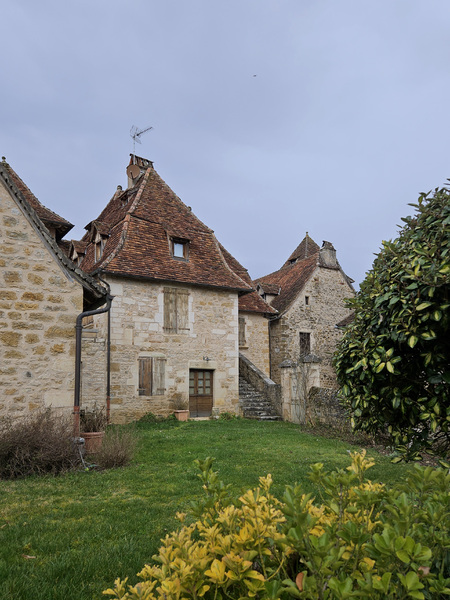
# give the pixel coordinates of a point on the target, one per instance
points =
(182, 415)
(93, 441)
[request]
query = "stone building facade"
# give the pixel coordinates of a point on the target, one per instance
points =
(183, 307)
(309, 293)
(207, 346)
(175, 313)
(40, 298)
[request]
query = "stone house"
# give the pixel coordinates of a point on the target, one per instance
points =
(184, 309)
(41, 294)
(175, 313)
(309, 293)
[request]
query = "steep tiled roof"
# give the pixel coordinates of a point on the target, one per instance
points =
(305, 249)
(140, 222)
(95, 293)
(249, 302)
(50, 219)
(297, 270)
(291, 279)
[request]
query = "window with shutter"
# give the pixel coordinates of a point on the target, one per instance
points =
(176, 310)
(152, 376)
(305, 343)
(242, 331)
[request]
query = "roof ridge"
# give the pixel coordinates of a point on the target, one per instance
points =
(86, 279)
(217, 243)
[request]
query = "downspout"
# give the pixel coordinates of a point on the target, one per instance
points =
(78, 331)
(108, 355)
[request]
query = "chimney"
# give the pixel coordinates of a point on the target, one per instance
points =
(328, 255)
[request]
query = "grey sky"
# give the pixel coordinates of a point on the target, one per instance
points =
(346, 121)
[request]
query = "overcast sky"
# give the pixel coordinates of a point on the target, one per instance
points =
(270, 117)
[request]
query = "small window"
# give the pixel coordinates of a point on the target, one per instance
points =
(179, 248)
(306, 300)
(305, 343)
(152, 376)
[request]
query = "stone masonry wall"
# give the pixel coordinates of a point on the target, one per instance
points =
(327, 290)
(137, 318)
(256, 348)
(38, 309)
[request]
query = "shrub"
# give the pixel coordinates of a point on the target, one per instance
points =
(39, 443)
(117, 449)
(228, 416)
(151, 418)
(93, 420)
(361, 540)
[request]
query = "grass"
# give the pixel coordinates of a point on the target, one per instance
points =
(69, 537)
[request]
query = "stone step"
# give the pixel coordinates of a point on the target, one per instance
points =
(254, 405)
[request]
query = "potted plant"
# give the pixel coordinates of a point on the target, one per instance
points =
(181, 410)
(93, 423)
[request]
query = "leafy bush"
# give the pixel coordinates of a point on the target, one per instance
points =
(392, 361)
(117, 449)
(361, 540)
(39, 443)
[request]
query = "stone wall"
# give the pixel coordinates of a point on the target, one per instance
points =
(137, 331)
(39, 303)
(303, 401)
(263, 384)
(256, 347)
(326, 291)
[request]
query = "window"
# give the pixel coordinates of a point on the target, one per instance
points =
(305, 343)
(306, 300)
(242, 332)
(99, 247)
(179, 248)
(176, 310)
(152, 376)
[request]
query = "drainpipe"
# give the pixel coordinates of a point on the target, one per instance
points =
(78, 330)
(108, 355)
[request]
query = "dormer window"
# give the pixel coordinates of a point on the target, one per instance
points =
(99, 247)
(100, 243)
(179, 248)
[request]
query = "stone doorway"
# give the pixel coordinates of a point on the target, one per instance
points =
(200, 393)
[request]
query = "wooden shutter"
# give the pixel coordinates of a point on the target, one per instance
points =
(182, 310)
(145, 377)
(170, 310)
(158, 376)
(241, 331)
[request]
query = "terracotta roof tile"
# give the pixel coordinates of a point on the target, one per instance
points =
(48, 217)
(305, 249)
(248, 302)
(141, 221)
(291, 278)
(95, 293)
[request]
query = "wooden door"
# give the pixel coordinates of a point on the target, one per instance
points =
(200, 393)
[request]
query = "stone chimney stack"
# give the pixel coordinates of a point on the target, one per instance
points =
(328, 255)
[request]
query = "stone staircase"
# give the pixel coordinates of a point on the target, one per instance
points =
(254, 405)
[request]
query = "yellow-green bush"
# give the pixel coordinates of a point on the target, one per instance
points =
(360, 540)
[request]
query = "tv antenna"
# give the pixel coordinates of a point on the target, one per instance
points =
(136, 133)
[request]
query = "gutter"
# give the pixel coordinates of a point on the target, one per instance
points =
(78, 332)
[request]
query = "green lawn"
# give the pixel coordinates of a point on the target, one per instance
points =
(69, 537)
